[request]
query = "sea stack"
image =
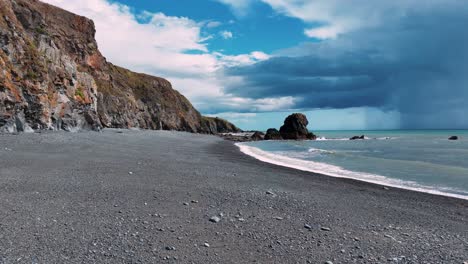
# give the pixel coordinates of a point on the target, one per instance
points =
(273, 134)
(295, 127)
(257, 136)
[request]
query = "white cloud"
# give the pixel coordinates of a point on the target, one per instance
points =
(330, 13)
(241, 60)
(259, 56)
(213, 24)
(240, 7)
(226, 34)
(162, 45)
(323, 32)
(336, 17)
(273, 104)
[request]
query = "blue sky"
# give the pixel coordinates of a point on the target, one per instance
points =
(259, 28)
(348, 64)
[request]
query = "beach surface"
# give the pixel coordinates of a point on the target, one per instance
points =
(124, 196)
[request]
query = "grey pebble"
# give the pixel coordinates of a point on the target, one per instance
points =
(215, 219)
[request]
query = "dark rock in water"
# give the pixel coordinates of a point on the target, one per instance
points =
(273, 134)
(53, 76)
(357, 137)
(295, 127)
(311, 136)
(453, 138)
(257, 136)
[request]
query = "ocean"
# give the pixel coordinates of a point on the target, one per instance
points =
(420, 160)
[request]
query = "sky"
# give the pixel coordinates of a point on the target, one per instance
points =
(347, 64)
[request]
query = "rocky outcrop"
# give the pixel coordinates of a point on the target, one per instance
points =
(273, 134)
(357, 137)
(217, 125)
(257, 136)
(52, 76)
(295, 127)
(311, 136)
(453, 138)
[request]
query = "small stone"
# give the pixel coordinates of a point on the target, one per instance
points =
(323, 228)
(307, 226)
(342, 251)
(269, 192)
(130, 172)
(206, 245)
(386, 188)
(170, 248)
(215, 219)
(194, 201)
(185, 203)
(279, 218)
(328, 262)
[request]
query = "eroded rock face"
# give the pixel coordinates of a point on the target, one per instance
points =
(217, 125)
(295, 127)
(273, 134)
(52, 76)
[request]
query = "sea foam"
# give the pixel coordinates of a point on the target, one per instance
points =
(336, 171)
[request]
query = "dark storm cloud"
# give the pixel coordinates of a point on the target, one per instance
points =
(416, 64)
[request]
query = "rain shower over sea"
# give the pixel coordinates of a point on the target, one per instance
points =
(420, 160)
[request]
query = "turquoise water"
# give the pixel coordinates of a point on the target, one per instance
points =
(423, 160)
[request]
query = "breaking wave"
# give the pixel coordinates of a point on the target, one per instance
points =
(339, 172)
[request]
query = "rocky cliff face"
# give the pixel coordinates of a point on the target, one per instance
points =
(52, 76)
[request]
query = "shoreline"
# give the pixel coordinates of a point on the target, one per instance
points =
(124, 196)
(302, 165)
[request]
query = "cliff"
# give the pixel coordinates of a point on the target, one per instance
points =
(52, 76)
